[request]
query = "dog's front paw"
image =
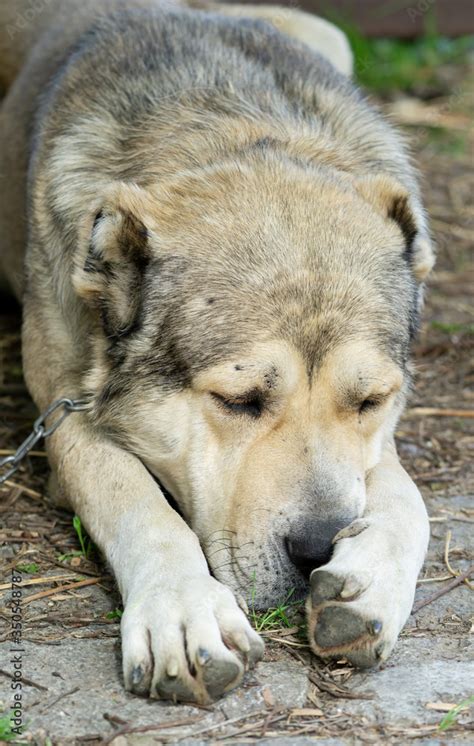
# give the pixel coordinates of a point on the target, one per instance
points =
(360, 600)
(191, 643)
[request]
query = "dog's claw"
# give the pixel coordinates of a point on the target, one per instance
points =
(137, 675)
(220, 675)
(249, 647)
(172, 668)
(257, 648)
(242, 603)
(242, 642)
(187, 657)
(351, 590)
(203, 657)
(138, 681)
(374, 627)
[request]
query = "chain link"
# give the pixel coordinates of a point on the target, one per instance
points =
(40, 431)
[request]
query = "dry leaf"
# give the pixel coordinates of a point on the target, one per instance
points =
(440, 706)
(268, 697)
(306, 712)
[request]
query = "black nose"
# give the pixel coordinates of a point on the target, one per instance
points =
(310, 545)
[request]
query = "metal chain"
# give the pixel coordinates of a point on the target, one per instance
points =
(40, 430)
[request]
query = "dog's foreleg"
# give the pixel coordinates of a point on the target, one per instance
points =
(179, 623)
(177, 618)
(362, 598)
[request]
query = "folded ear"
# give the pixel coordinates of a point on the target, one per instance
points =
(113, 256)
(393, 201)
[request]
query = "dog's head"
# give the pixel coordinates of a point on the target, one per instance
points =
(253, 329)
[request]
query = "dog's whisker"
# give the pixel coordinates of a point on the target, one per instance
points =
(217, 541)
(212, 554)
(222, 531)
(251, 511)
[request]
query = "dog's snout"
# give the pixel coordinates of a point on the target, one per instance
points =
(311, 545)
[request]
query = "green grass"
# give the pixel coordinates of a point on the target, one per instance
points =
(454, 144)
(451, 717)
(454, 328)
(115, 614)
(6, 733)
(277, 617)
(385, 65)
(86, 544)
(84, 540)
(30, 568)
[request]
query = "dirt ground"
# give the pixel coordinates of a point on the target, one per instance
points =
(73, 691)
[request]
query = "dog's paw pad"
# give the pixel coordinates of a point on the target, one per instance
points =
(339, 630)
(338, 625)
(221, 675)
(171, 687)
(325, 586)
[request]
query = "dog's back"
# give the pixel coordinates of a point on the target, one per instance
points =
(36, 40)
(23, 23)
(263, 75)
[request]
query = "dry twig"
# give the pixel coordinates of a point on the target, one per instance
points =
(451, 569)
(449, 587)
(60, 589)
(126, 731)
(436, 412)
(59, 697)
(28, 682)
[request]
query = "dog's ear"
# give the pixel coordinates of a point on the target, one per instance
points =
(114, 254)
(392, 200)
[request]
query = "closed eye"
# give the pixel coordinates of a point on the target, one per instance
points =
(371, 403)
(251, 404)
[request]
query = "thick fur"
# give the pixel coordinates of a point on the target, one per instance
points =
(225, 250)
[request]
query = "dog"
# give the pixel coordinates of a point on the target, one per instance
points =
(220, 245)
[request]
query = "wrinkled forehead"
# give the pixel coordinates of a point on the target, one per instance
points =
(198, 318)
(313, 294)
(220, 314)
